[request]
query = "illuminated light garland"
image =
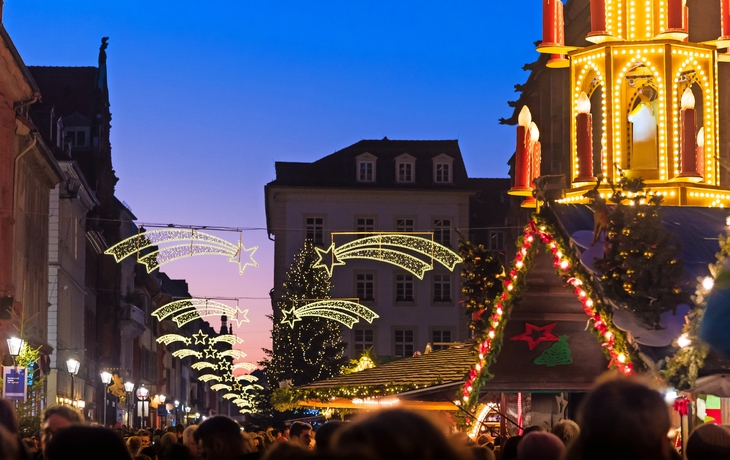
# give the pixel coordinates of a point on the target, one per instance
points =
(617, 351)
(235, 354)
(230, 339)
(209, 377)
(224, 364)
(377, 248)
(245, 366)
(189, 304)
(232, 313)
(240, 402)
(171, 338)
(230, 396)
(200, 365)
(185, 352)
(248, 378)
(200, 243)
(250, 387)
(220, 386)
(342, 311)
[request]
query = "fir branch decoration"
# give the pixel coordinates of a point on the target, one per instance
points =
(480, 283)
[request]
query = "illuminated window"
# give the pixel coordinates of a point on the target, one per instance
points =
(404, 225)
(365, 287)
(442, 231)
(441, 288)
(404, 288)
(440, 338)
(403, 343)
(315, 230)
(364, 339)
(365, 224)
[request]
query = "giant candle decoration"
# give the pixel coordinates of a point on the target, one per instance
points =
(701, 152)
(535, 152)
(522, 185)
(724, 20)
(689, 141)
(675, 14)
(598, 17)
(584, 139)
(549, 22)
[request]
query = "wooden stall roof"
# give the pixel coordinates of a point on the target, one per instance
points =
(438, 367)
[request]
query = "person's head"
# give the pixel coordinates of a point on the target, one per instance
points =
(709, 442)
(622, 415)
(323, 436)
(189, 440)
(8, 419)
(485, 439)
(480, 453)
(285, 433)
(259, 443)
(167, 439)
(566, 430)
(532, 428)
(145, 436)
(393, 434)
(219, 438)
(176, 451)
(149, 451)
(301, 433)
(289, 451)
(275, 433)
(134, 444)
(56, 418)
(9, 448)
(179, 430)
(79, 442)
(540, 445)
(509, 449)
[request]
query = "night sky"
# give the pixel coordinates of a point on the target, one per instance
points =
(206, 96)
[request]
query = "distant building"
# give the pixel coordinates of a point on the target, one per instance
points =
(381, 186)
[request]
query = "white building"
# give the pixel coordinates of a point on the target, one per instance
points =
(379, 186)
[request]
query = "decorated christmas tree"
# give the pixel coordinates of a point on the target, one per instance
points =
(480, 284)
(558, 353)
(312, 349)
(641, 269)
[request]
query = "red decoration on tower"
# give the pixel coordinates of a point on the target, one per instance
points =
(522, 159)
(553, 27)
(675, 15)
(724, 20)
(598, 17)
(584, 139)
(689, 140)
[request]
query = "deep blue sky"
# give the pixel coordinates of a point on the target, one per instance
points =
(207, 95)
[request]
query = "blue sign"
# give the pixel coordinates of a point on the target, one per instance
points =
(14, 383)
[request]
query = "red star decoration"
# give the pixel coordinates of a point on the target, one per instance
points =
(547, 335)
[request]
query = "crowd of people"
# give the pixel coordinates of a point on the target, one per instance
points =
(621, 419)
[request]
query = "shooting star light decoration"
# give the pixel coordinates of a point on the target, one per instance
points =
(200, 365)
(244, 366)
(187, 310)
(209, 377)
(342, 311)
(185, 352)
(220, 386)
(197, 243)
(389, 248)
(171, 338)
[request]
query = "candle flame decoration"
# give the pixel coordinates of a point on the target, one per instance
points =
(198, 244)
(583, 104)
(525, 117)
(534, 132)
(388, 248)
(342, 311)
(701, 137)
(688, 99)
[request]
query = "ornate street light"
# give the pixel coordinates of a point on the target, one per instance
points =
(15, 344)
(129, 388)
(73, 366)
(177, 404)
(106, 379)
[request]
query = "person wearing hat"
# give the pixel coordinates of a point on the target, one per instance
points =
(709, 442)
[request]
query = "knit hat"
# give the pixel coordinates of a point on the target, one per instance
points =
(709, 442)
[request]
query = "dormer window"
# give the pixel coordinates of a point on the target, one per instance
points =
(443, 169)
(76, 137)
(366, 167)
(405, 168)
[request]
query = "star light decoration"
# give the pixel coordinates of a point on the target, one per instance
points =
(539, 230)
(389, 248)
(547, 335)
(187, 310)
(342, 311)
(197, 243)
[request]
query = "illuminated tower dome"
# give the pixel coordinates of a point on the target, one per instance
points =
(643, 101)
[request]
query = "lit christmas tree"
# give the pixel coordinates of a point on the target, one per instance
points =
(558, 353)
(480, 273)
(313, 348)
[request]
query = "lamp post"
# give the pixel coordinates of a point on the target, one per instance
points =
(142, 395)
(15, 344)
(72, 366)
(106, 379)
(129, 388)
(177, 404)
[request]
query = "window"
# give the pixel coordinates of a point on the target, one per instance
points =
(441, 288)
(405, 172)
(403, 342)
(442, 169)
(315, 230)
(442, 231)
(366, 171)
(439, 338)
(365, 287)
(365, 224)
(404, 225)
(497, 240)
(77, 137)
(363, 341)
(404, 288)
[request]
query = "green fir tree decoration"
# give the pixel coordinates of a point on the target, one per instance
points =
(557, 354)
(313, 349)
(480, 283)
(641, 269)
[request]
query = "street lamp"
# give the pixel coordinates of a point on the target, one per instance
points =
(106, 379)
(177, 404)
(129, 388)
(143, 395)
(72, 366)
(15, 344)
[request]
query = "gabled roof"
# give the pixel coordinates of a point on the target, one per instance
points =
(438, 367)
(339, 169)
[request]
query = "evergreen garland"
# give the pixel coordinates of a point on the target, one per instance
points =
(480, 284)
(641, 269)
(313, 349)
